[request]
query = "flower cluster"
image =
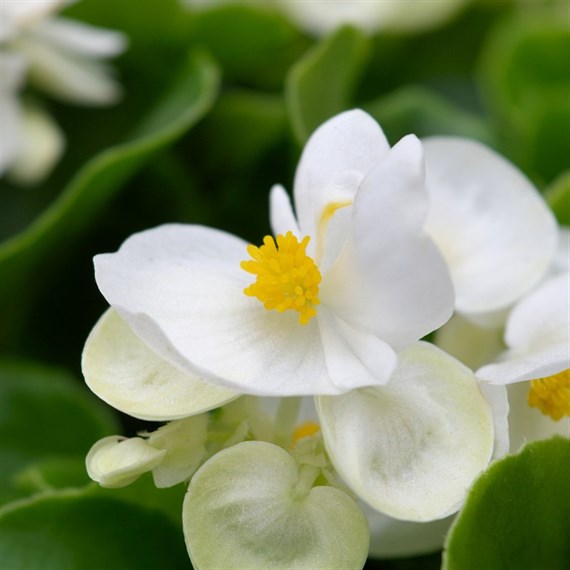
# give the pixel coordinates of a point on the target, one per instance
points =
(58, 56)
(300, 396)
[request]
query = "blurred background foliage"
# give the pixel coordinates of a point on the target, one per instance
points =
(217, 106)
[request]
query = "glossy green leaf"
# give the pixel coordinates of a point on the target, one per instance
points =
(72, 530)
(81, 202)
(558, 197)
(44, 412)
(422, 112)
(517, 514)
(321, 83)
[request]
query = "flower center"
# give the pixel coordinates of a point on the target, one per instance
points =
(551, 395)
(287, 278)
(306, 429)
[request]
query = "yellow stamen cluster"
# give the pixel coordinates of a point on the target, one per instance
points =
(551, 395)
(306, 429)
(287, 278)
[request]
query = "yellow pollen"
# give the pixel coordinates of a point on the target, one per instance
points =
(551, 395)
(304, 430)
(287, 278)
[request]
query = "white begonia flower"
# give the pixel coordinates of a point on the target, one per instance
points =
(12, 70)
(61, 57)
(322, 16)
(412, 448)
(535, 365)
(495, 231)
(352, 277)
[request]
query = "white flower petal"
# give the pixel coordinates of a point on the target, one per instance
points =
(185, 444)
(561, 261)
(12, 70)
(180, 288)
(537, 336)
(249, 508)
(281, 213)
(497, 398)
(41, 145)
(353, 357)
(70, 77)
(391, 538)
(117, 462)
(19, 15)
(351, 141)
(390, 279)
(129, 376)
(412, 448)
(492, 226)
(10, 133)
(80, 39)
(529, 424)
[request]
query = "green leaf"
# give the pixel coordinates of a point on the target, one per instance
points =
(81, 202)
(558, 198)
(517, 514)
(253, 46)
(526, 82)
(320, 84)
(44, 412)
(422, 112)
(72, 530)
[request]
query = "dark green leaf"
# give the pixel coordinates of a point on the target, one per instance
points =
(422, 112)
(320, 84)
(517, 514)
(72, 530)
(44, 413)
(85, 197)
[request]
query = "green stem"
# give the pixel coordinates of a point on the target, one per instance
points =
(307, 476)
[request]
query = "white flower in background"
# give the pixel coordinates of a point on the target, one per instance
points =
(495, 231)
(59, 56)
(322, 16)
(350, 279)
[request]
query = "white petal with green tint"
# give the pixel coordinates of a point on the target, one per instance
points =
(492, 226)
(185, 444)
(129, 376)
(413, 447)
(246, 508)
(117, 462)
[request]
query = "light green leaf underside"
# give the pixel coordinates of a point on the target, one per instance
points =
(517, 514)
(45, 413)
(241, 511)
(74, 529)
(320, 84)
(81, 201)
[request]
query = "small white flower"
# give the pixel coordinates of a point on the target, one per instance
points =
(322, 16)
(59, 56)
(352, 278)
